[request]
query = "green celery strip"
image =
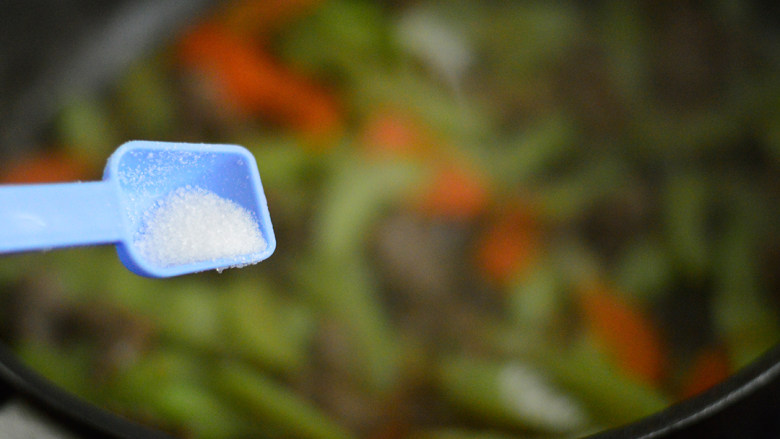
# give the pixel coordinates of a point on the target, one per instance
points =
(610, 395)
(346, 291)
(514, 394)
(270, 401)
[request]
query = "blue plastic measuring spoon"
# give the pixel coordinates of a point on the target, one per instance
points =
(138, 175)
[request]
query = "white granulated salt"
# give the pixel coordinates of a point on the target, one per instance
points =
(195, 225)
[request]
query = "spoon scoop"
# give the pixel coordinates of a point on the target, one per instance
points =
(170, 208)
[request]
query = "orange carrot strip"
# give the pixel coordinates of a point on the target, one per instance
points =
(50, 167)
(456, 191)
(710, 367)
(393, 135)
(507, 246)
(251, 81)
(626, 334)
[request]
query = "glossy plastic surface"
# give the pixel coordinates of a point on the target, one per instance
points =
(138, 174)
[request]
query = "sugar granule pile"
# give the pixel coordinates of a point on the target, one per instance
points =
(195, 225)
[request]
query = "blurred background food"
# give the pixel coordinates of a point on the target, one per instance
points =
(494, 219)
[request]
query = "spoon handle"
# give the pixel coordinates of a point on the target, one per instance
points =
(45, 216)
